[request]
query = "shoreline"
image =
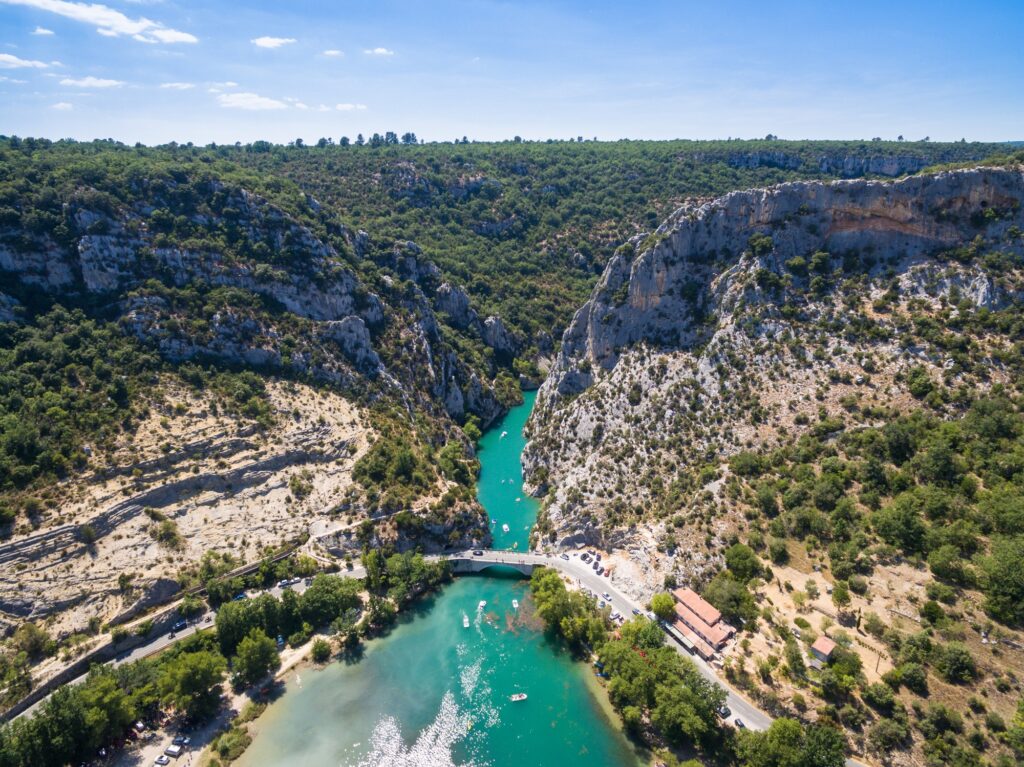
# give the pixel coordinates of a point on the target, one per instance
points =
(298, 661)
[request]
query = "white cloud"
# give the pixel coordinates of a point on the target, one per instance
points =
(350, 107)
(10, 61)
(12, 80)
(249, 101)
(219, 87)
(177, 86)
(43, 31)
(379, 52)
(91, 82)
(272, 42)
(109, 22)
(334, 53)
(62, 106)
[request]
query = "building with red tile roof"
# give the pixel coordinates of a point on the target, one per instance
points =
(700, 622)
(823, 648)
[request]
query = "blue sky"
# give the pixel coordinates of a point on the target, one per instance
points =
(185, 70)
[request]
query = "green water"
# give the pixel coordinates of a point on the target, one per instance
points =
(434, 692)
(500, 487)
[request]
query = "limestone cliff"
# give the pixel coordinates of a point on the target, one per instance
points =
(713, 332)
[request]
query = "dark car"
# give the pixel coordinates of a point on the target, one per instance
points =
(724, 712)
(179, 626)
(477, 553)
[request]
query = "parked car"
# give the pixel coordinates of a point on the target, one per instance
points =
(162, 760)
(739, 724)
(724, 712)
(478, 553)
(174, 750)
(565, 557)
(635, 611)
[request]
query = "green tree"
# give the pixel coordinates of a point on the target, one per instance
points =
(256, 657)
(663, 605)
(320, 651)
(742, 562)
(1004, 579)
(732, 598)
(190, 682)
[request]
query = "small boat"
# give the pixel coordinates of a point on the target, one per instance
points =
(515, 604)
(503, 435)
(482, 605)
(465, 621)
(517, 697)
(504, 528)
(518, 500)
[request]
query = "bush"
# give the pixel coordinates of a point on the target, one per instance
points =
(320, 652)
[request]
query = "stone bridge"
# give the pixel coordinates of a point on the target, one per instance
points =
(470, 562)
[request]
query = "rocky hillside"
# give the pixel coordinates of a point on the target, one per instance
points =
(190, 366)
(806, 401)
(747, 320)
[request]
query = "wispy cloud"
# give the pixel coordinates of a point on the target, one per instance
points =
(350, 107)
(250, 101)
(42, 31)
(177, 86)
(219, 87)
(62, 106)
(272, 42)
(11, 80)
(10, 61)
(334, 53)
(379, 52)
(109, 22)
(91, 82)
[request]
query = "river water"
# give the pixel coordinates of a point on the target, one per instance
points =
(434, 693)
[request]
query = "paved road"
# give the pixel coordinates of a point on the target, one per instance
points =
(585, 576)
(753, 717)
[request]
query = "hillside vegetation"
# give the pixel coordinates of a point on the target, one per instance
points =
(806, 402)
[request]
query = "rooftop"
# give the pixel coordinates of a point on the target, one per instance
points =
(823, 645)
(704, 609)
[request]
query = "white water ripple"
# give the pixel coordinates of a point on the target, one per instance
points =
(433, 747)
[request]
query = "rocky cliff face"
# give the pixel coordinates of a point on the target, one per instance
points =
(714, 332)
(317, 318)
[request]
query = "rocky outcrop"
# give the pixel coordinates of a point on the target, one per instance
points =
(659, 289)
(454, 301)
(712, 334)
(498, 337)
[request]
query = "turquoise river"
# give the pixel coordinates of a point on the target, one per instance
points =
(436, 693)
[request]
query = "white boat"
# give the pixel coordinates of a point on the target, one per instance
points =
(482, 605)
(503, 435)
(518, 500)
(515, 604)
(517, 697)
(504, 528)
(465, 621)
